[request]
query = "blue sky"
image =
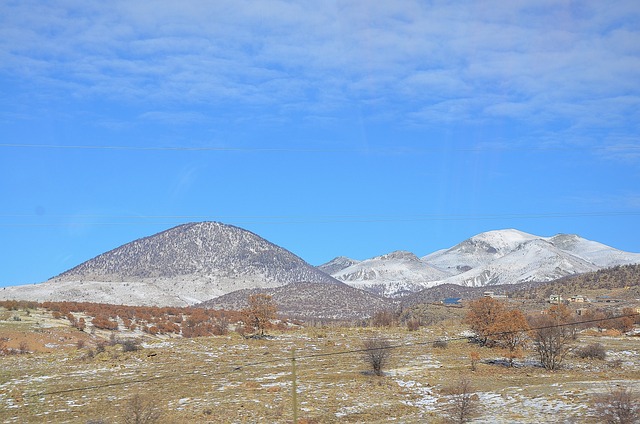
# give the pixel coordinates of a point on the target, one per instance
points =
(329, 128)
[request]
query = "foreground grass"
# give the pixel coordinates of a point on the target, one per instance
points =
(231, 379)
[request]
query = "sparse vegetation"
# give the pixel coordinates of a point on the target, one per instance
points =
(377, 353)
(620, 406)
(552, 340)
(482, 315)
(140, 410)
(440, 344)
(592, 351)
(261, 310)
(181, 379)
(464, 403)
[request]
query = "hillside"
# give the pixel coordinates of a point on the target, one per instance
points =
(184, 265)
(310, 300)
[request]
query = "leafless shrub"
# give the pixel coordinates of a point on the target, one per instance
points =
(413, 324)
(23, 347)
(130, 345)
(139, 410)
(464, 404)
(615, 364)
(618, 407)
(440, 344)
(377, 353)
(80, 344)
(383, 319)
(592, 351)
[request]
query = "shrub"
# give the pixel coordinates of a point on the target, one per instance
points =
(413, 324)
(130, 345)
(440, 344)
(592, 351)
(618, 407)
(377, 353)
(139, 410)
(464, 404)
(383, 319)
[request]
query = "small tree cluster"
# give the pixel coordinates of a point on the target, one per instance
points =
(494, 324)
(261, 310)
(384, 318)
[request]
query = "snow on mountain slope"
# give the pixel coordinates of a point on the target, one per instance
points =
(600, 254)
(337, 264)
(391, 275)
(479, 250)
(533, 260)
(494, 257)
(184, 265)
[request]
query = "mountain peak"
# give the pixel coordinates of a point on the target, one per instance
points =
(400, 255)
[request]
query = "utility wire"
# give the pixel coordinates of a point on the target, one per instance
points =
(292, 219)
(241, 367)
(410, 150)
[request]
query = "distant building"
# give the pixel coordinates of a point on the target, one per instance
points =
(607, 299)
(576, 298)
(452, 301)
(555, 299)
(493, 295)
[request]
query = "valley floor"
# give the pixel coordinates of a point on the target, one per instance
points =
(230, 379)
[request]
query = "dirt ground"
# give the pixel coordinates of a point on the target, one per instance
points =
(230, 379)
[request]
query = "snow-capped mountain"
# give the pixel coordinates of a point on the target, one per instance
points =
(181, 266)
(600, 254)
(478, 251)
(391, 275)
(337, 264)
(494, 257)
(195, 262)
(533, 260)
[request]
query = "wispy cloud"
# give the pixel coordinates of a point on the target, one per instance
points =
(440, 62)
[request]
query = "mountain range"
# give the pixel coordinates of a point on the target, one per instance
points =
(491, 258)
(197, 262)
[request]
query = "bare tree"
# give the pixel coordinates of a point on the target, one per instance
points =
(377, 353)
(552, 340)
(141, 411)
(464, 405)
(618, 407)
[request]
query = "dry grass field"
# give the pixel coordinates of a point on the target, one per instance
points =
(69, 376)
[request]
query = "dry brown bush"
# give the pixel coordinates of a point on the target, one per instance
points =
(592, 351)
(464, 405)
(618, 407)
(140, 410)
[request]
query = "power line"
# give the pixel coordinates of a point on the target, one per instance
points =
(293, 219)
(373, 150)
